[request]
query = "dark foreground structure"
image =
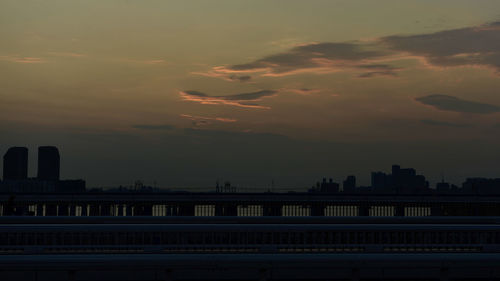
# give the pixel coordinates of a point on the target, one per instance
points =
(239, 248)
(396, 229)
(245, 204)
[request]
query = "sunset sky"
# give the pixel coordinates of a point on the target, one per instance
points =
(181, 93)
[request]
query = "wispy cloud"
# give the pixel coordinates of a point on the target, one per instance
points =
(203, 120)
(319, 58)
(144, 61)
(225, 76)
(246, 100)
(301, 91)
(24, 60)
(378, 70)
(450, 103)
(477, 46)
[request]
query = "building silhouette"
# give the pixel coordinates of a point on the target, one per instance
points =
(481, 186)
(380, 180)
(15, 163)
(48, 163)
(349, 184)
(400, 181)
(328, 187)
(15, 173)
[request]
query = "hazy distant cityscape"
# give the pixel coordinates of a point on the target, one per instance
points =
(399, 181)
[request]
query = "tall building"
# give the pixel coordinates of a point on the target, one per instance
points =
(329, 187)
(349, 185)
(15, 163)
(48, 163)
(379, 180)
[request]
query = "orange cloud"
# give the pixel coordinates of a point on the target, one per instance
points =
(301, 91)
(25, 60)
(145, 61)
(245, 100)
(477, 47)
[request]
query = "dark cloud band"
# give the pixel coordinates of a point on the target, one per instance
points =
(450, 103)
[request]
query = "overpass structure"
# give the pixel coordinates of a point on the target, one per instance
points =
(246, 204)
(253, 248)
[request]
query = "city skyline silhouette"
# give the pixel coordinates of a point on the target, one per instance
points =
(399, 181)
(178, 97)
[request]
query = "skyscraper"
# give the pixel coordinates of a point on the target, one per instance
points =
(48, 163)
(15, 163)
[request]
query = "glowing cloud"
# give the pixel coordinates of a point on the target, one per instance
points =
(202, 120)
(477, 46)
(25, 60)
(246, 100)
(301, 91)
(319, 58)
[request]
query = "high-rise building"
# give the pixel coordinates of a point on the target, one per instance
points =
(15, 163)
(379, 180)
(349, 185)
(48, 163)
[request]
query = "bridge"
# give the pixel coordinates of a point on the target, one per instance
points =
(246, 204)
(249, 248)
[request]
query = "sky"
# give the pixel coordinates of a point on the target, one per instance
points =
(179, 94)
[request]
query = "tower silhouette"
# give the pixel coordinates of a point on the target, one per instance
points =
(48, 163)
(15, 163)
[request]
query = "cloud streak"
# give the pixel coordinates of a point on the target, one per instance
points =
(23, 60)
(319, 58)
(301, 91)
(245, 100)
(450, 103)
(472, 46)
(144, 61)
(225, 76)
(202, 120)
(477, 46)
